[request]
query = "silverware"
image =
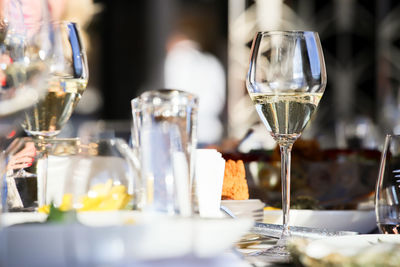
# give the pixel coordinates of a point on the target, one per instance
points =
(275, 230)
(257, 215)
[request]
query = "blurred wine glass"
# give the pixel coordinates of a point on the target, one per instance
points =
(62, 91)
(27, 55)
(64, 88)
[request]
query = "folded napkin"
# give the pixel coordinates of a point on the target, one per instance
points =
(209, 175)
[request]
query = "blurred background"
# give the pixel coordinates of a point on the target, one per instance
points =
(203, 46)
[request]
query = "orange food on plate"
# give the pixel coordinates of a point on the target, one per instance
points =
(235, 184)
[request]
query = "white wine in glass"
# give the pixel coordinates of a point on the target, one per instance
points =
(286, 115)
(54, 110)
(64, 88)
(286, 81)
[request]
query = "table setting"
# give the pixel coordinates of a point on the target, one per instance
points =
(161, 199)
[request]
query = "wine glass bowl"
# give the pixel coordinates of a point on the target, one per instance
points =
(287, 71)
(26, 53)
(286, 80)
(65, 86)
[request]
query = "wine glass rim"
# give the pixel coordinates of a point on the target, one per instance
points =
(51, 23)
(286, 32)
(63, 22)
(54, 22)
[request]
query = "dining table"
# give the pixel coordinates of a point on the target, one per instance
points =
(39, 244)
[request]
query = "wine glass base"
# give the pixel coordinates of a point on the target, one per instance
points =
(275, 254)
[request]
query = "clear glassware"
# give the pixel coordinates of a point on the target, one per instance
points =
(63, 89)
(164, 139)
(26, 55)
(90, 175)
(286, 80)
(65, 86)
(387, 193)
(26, 52)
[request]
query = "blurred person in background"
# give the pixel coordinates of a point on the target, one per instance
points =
(189, 67)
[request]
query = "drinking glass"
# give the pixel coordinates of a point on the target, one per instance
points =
(62, 90)
(163, 137)
(26, 54)
(387, 193)
(286, 80)
(68, 79)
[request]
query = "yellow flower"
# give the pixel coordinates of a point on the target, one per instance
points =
(44, 209)
(101, 197)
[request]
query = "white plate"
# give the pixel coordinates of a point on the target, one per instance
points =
(11, 218)
(145, 239)
(362, 221)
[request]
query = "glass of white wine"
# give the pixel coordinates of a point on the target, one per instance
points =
(65, 86)
(286, 80)
(26, 53)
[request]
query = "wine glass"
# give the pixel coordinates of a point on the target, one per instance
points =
(67, 82)
(63, 89)
(387, 193)
(286, 80)
(26, 52)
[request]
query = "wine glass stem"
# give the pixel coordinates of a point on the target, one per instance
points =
(42, 172)
(286, 150)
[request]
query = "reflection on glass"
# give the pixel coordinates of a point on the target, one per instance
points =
(387, 206)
